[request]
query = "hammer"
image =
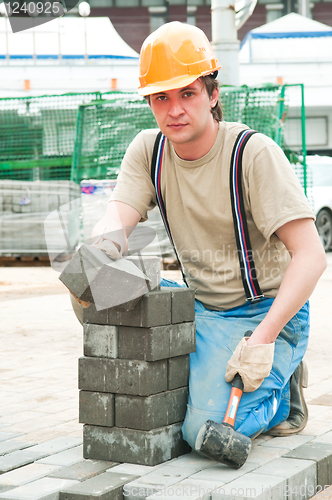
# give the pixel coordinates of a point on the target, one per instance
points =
(220, 441)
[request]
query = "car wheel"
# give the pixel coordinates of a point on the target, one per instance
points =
(324, 228)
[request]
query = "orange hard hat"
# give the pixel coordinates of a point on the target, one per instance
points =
(174, 56)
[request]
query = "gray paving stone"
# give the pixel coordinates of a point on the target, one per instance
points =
(220, 472)
(134, 446)
(155, 482)
(101, 341)
(150, 266)
(116, 285)
(134, 469)
(26, 474)
(260, 455)
(19, 458)
(122, 376)
(82, 470)
(154, 309)
(96, 408)
(65, 458)
(81, 270)
(42, 489)
(178, 372)
(289, 442)
(193, 461)
(252, 486)
(321, 454)
(159, 342)
(193, 489)
(151, 412)
(324, 438)
(300, 476)
(5, 488)
(106, 486)
(9, 446)
(183, 304)
(4, 436)
(56, 445)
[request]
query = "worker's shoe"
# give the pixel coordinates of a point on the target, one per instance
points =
(298, 413)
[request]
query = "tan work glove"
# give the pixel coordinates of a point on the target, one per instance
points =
(253, 363)
(111, 248)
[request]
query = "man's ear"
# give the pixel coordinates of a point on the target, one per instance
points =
(214, 97)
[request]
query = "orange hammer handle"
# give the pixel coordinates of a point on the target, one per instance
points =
(234, 400)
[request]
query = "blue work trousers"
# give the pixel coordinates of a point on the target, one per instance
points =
(217, 335)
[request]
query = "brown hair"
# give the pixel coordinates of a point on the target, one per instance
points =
(210, 83)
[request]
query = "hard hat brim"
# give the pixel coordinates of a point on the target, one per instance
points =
(175, 83)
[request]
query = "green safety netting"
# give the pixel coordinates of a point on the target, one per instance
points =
(105, 128)
(37, 135)
(83, 136)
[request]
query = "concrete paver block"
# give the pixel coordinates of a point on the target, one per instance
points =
(155, 482)
(92, 277)
(252, 486)
(83, 470)
(154, 309)
(26, 474)
(5, 488)
(8, 435)
(178, 372)
(42, 489)
(321, 454)
(300, 476)
(260, 455)
(160, 342)
(27, 456)
(116, 285)
(193, 489)
(183, 304)
(134, 469)
(100, 341)
(134, 446)
(65, 458)
(96, 408)
(81, 269)
(150, 266)
(122, 376)
(151, 412)
(106, 486)
(221, 472)
(9, 446)
(289, 442)
(193, 461)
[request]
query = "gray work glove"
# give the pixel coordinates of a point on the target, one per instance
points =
(253, 363)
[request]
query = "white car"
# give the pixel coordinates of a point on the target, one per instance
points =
(320, 195)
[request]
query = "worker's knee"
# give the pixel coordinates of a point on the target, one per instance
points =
(194, 420)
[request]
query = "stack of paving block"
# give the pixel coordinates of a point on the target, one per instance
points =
(133, 377)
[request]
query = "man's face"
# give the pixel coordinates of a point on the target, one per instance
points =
(184, 115)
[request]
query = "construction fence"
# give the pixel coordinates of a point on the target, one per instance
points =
(81, 139)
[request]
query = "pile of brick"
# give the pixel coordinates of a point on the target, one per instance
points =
(133, 378)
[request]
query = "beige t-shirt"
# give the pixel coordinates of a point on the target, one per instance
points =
(197, 199)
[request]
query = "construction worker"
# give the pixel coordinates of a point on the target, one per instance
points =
(213, 213)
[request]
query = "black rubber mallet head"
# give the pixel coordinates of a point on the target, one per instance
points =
(220, 441)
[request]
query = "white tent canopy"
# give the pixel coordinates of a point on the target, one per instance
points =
(290, 38)
(66, 38)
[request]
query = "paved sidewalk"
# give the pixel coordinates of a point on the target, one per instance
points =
(40, 437)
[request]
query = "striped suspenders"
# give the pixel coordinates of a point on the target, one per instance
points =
(156, 163)
(245, 254)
